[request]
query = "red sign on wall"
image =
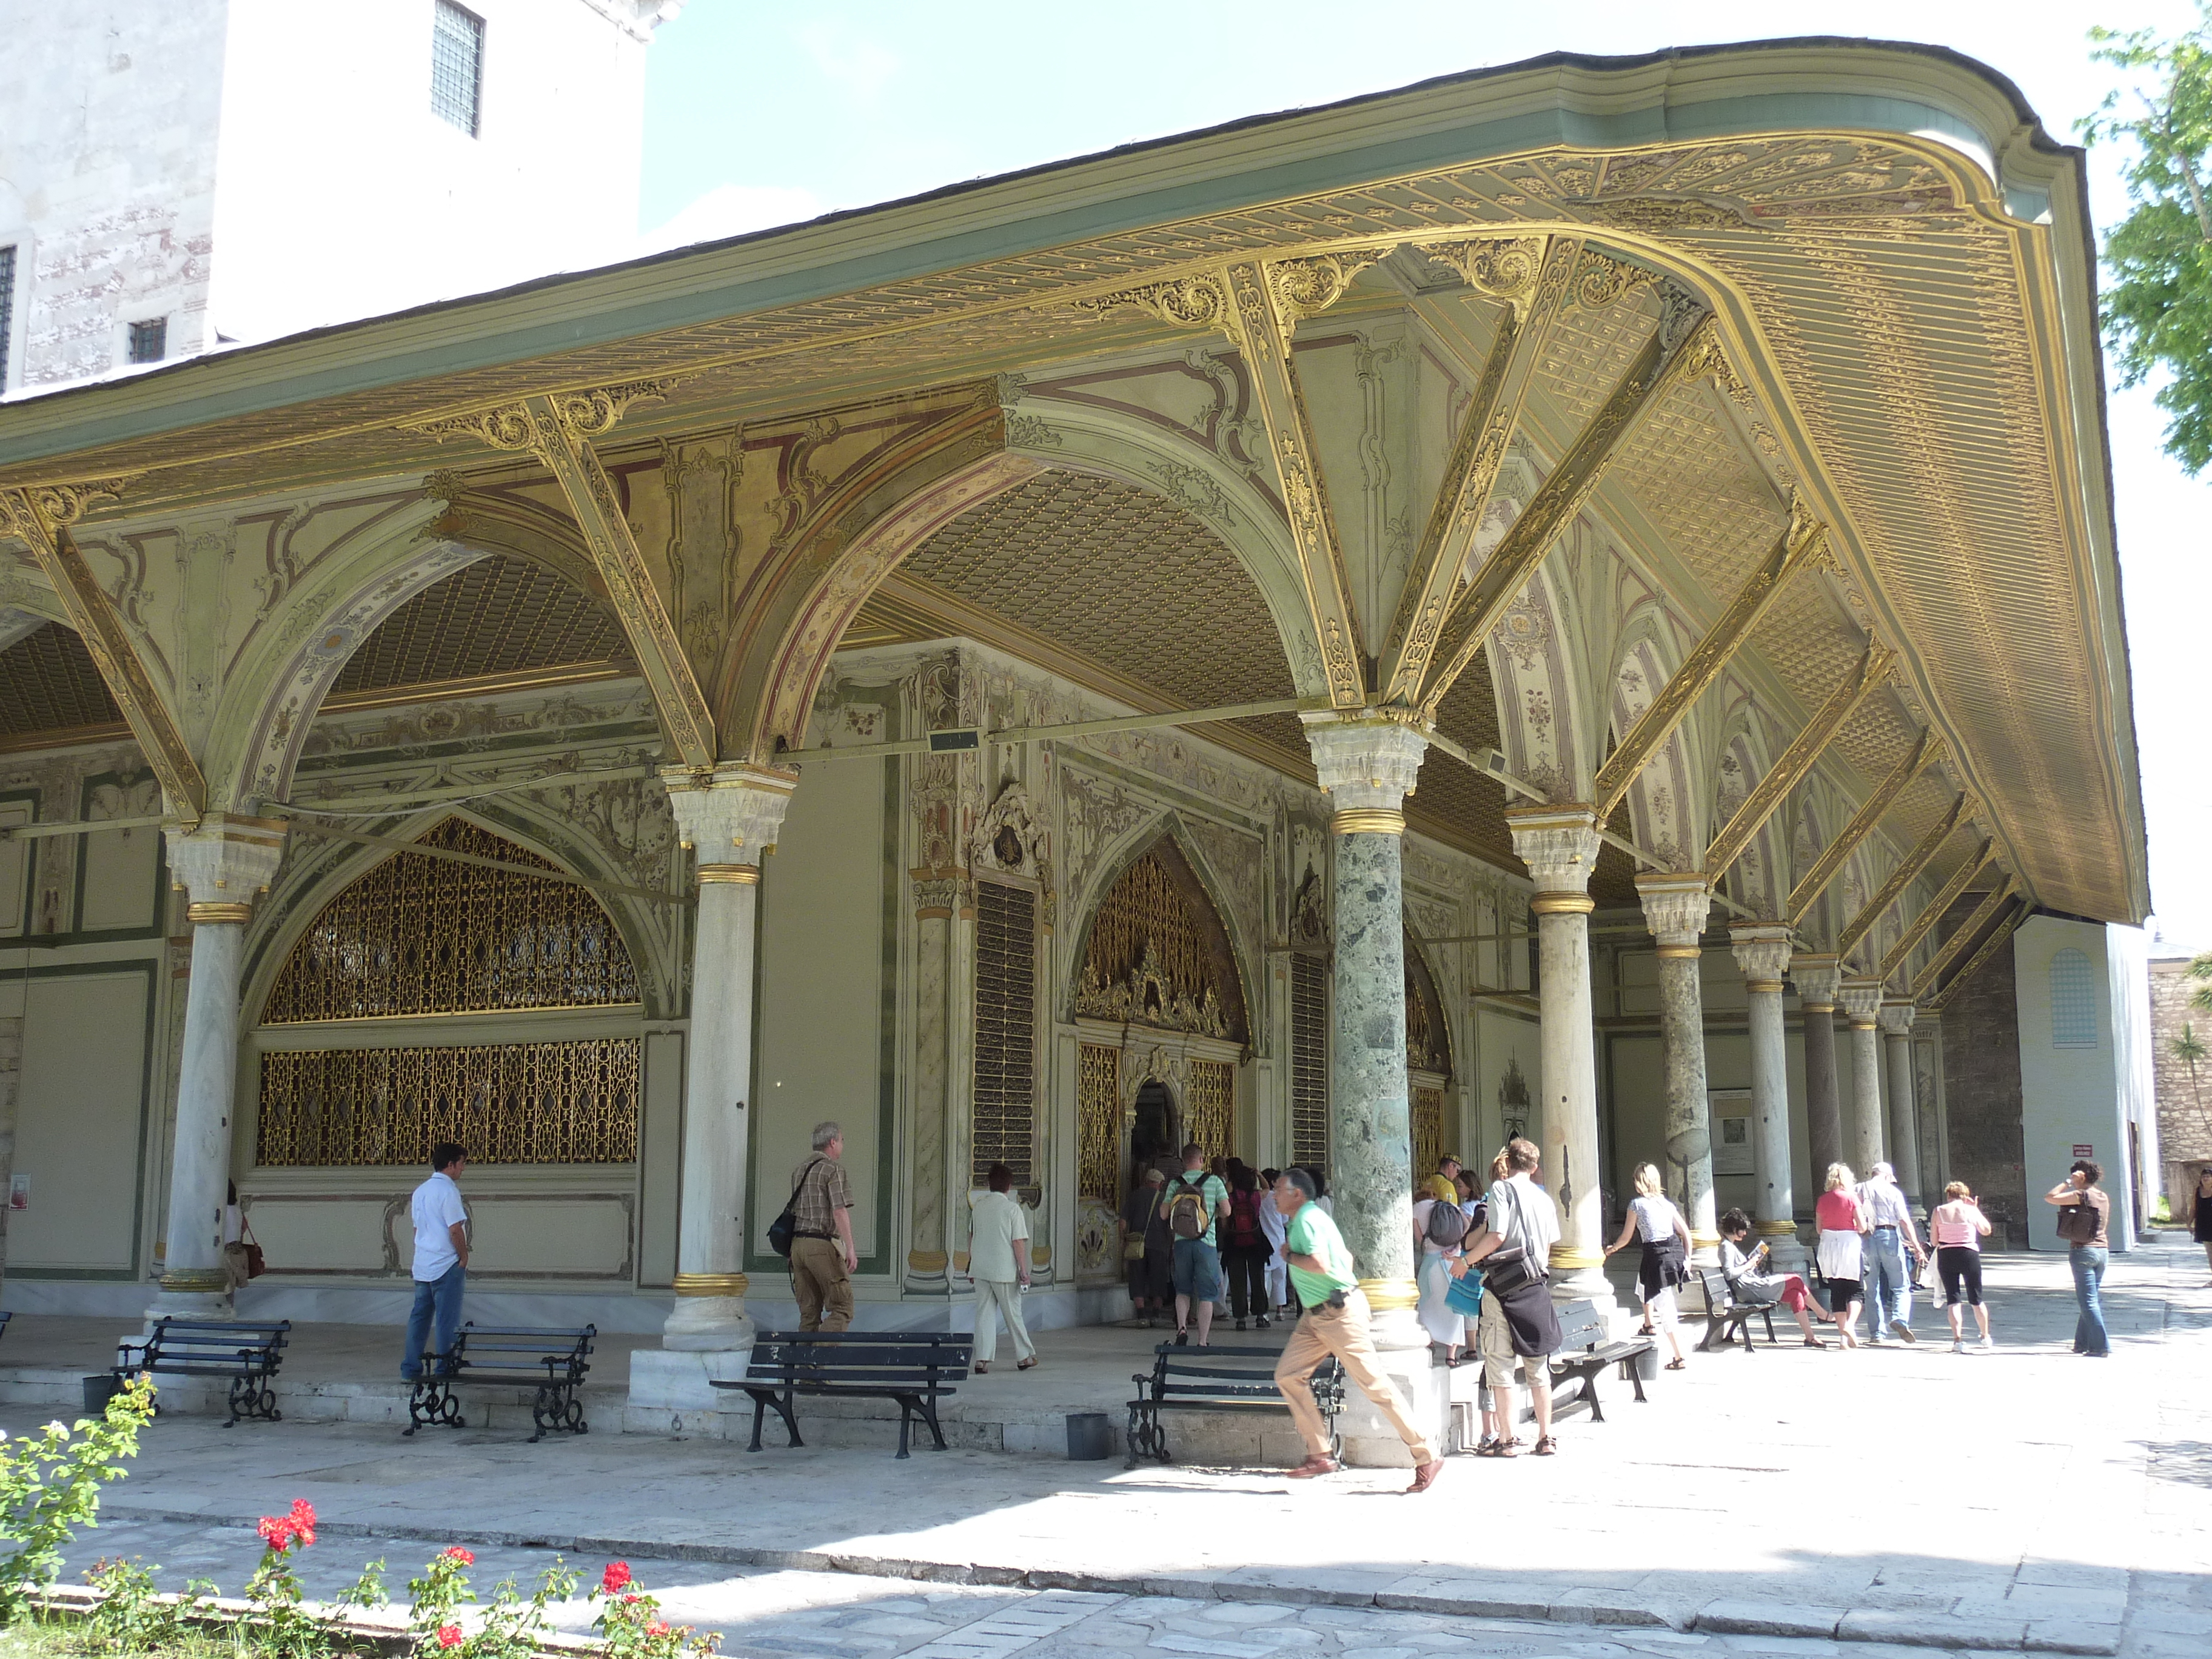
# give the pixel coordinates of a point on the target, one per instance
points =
(2081, 1149)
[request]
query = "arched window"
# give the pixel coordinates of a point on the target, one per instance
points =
(2073, 1001)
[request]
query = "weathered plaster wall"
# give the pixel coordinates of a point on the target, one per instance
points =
(2184, 1094)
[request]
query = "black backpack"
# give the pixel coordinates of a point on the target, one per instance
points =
(785, 1227)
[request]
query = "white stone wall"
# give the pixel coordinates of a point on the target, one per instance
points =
(2070, 1097)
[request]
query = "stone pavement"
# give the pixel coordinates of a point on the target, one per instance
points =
(1783, 1502)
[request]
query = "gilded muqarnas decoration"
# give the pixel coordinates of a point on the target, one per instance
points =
(1148, 997)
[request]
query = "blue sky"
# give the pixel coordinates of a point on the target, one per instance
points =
(759, 115)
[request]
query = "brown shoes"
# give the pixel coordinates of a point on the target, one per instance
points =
(1426, 1476)
(1315, 1465)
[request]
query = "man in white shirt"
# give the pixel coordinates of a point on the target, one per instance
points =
(1888, 1287)
(441, 1262)
(999, 1262)
(1520, 1213)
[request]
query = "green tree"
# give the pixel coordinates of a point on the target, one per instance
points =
(2158, 303)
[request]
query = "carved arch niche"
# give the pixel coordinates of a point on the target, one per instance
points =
(1428, 1059)
(1158, 1004)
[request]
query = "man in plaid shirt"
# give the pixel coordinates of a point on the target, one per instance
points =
(823, 1259)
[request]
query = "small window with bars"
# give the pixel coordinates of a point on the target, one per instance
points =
(149, 340)
(1005, 1106)
(456, 66)
(2073, 1001)
(7, 308)
(1309, 1062)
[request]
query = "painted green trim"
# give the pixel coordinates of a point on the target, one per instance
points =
(30, 861)
(1438, 125)
(149, 968)
(160, 873)
(887, 1257)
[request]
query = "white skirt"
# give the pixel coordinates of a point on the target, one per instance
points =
(1443, 1321)
(1842, 1255)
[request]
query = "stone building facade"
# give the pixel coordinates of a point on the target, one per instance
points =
(2184, 1092)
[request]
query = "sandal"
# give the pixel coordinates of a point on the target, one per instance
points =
(1548, 1447)
(1678, 1364)
(1026, 1364)
(1815, 1342)
(1498, 1448)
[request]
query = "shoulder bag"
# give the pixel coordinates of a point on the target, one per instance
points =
(785, 1227)
(1508, 1268)
(2077, 1224)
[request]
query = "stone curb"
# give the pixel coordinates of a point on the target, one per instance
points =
(1579, 1607)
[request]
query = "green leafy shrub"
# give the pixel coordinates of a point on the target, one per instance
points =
(49, 1485)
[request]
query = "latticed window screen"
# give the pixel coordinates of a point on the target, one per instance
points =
(2073, 1001)
(429, 935)
(1005, 1107)
(456, 66)
(1098, 1124)
(1211, 1107)
(1428, 1132)
(150, 341)
(1309, 1062)
(515, 1102)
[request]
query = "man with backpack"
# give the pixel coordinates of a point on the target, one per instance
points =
(1245, 1249)
(823, 1259)
(1192, 1204)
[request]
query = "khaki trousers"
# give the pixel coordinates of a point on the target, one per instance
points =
(996, 1298)
(1342, 1332)
(823, 1287)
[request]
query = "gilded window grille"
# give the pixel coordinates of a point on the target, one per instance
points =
(1428, 1038)
(1309, 1062)
(510, 1103)
(1157, 954)
(1428, 1131)
(1210, 1107)
(1098, 1124)
(428, 936)
(1004, 1108)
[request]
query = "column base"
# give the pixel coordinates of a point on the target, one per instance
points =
(708, 1324)
(189, 1301)
(673, 1392)
(1392, 1323)
(1789, 1253)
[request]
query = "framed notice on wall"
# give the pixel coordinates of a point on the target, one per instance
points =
(1729, 1112)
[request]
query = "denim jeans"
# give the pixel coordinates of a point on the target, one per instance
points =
(438, 1298)
(2089, 1263)
(1888, 1286)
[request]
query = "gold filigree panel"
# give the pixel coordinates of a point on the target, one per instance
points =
(1428, 1114)
(1098, 1124)
(1004, 1102)
(1428, 1038)
(1157, 955)
(429, 936)
(498, 616)
(511, 1103)
(1309, 1062)
(1123, 575)
(48, 683)
(1589, 352)
(1210, 1107)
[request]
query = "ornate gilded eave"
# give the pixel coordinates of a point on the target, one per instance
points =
(1900, 277)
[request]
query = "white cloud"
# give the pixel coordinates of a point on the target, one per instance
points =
(731, 210)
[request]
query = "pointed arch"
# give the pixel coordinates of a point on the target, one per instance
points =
(1154, 949)
(1664, 803)
(1428, 1027)
(1759, 879)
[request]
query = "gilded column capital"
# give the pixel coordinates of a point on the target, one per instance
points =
(1367, 766)
(1558, 844)
(1675, 908)
(731, 813)
(939, 894)
(1897, 1017)
(224, 861)
(1762, 950)
(1817, 978)
(1861, 999)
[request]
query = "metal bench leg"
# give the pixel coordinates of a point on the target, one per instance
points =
(1589, 1393)
(1135, 1438)
(1635, 1378)
(784, 1406)
(760, 1411)
(929, 1416)
(906, 1416)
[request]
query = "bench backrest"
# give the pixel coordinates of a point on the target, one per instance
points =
(1716, 1290)
(1580, 1326)
(205, 1340)
(526, 1347)
(1228, 1371)
(906, 1359)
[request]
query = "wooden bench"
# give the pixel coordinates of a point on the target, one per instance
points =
(917, 1368)
(1725, 1317)
(247, 1354)
(1220, 1380)
(554, 1361)
(1584, 1351)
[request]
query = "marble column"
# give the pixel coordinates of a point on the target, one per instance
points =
(11, 1071)
(937, 895)
(223, 865)
(1675, 907)
(730, 818)
(1762, 950)
(1861, 1003)
(1896, 1020)
(1559, 845)
(1817, 978)
(1367, 767)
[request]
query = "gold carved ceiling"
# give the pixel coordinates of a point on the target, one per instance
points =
(1901, 326)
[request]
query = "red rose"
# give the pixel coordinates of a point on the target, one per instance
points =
(276, 1532)
(449, 1635)
(658, 1627)
(617, 1577)
(302, 1520)
(466, 1558)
